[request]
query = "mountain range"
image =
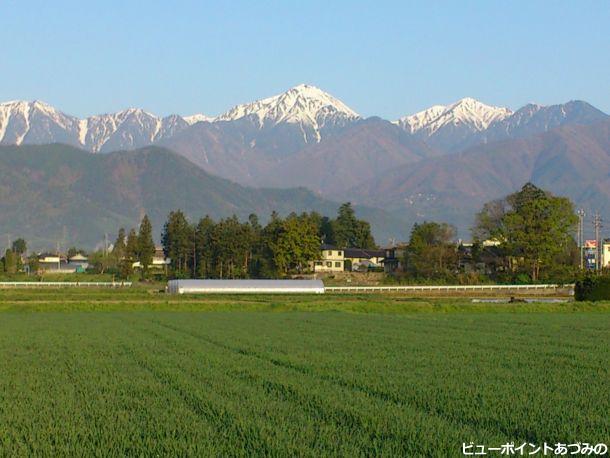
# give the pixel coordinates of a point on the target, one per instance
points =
(572, 160)
(58, 193)
(440, 163)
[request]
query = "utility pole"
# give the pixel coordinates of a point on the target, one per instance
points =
(597, 225)
(581, 237)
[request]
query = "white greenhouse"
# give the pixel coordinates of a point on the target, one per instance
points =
(245, 286)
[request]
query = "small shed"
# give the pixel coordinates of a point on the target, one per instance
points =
(245, 286)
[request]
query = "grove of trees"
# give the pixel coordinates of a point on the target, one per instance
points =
(230, 248)
(534, 230)
(527, 236)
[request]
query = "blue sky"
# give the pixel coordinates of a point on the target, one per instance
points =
(381, 58)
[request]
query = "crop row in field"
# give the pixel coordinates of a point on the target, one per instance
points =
(298, 383)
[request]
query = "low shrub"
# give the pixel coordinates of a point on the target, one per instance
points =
(592, 288)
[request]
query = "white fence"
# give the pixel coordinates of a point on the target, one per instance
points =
(64, 284)
(447, 288)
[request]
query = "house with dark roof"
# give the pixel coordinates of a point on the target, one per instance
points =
(393, 259)
(331, 260)
(358, 259)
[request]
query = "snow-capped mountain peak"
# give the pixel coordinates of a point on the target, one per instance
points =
(475, 113)
(468, 112)
(304, 104)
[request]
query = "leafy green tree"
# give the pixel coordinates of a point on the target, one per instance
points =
(539, 227)
(146, 245)
(33, 263)
(534, 227)
(101, 262)
(73, 251)
(432, 252)
(19, 246)
(296, 245)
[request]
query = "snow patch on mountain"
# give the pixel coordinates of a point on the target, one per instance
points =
(198, 117)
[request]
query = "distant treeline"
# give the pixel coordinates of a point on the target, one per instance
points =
(527, 236)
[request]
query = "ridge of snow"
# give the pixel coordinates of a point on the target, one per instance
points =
(82, 130)
(197, 117)
(303, 104)
(421, 119)
(467, 111)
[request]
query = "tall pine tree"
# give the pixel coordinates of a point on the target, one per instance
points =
(146, 245)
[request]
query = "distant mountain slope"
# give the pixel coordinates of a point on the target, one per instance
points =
(569, 160)
(360, 153)
(534, 119)
(57, 193)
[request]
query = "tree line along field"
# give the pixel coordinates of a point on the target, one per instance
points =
(80, 379)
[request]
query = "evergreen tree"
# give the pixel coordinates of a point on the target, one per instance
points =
(350, 232)
(203, 248)
(19, 246)
(256, 249)
(131, 254)
(269, 236)
(146, 245)
(9, 262)
(344, 227)
(118, 249)
(178, 240)
(231, 247)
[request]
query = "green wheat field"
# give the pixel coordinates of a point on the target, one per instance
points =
(139, 373)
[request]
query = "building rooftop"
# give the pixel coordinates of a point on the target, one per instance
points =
(360, 253)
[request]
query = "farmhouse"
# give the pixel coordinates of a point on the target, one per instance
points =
(357, 259)
(332, 259)
(59, 264)
(245, 286)
(159, 261)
